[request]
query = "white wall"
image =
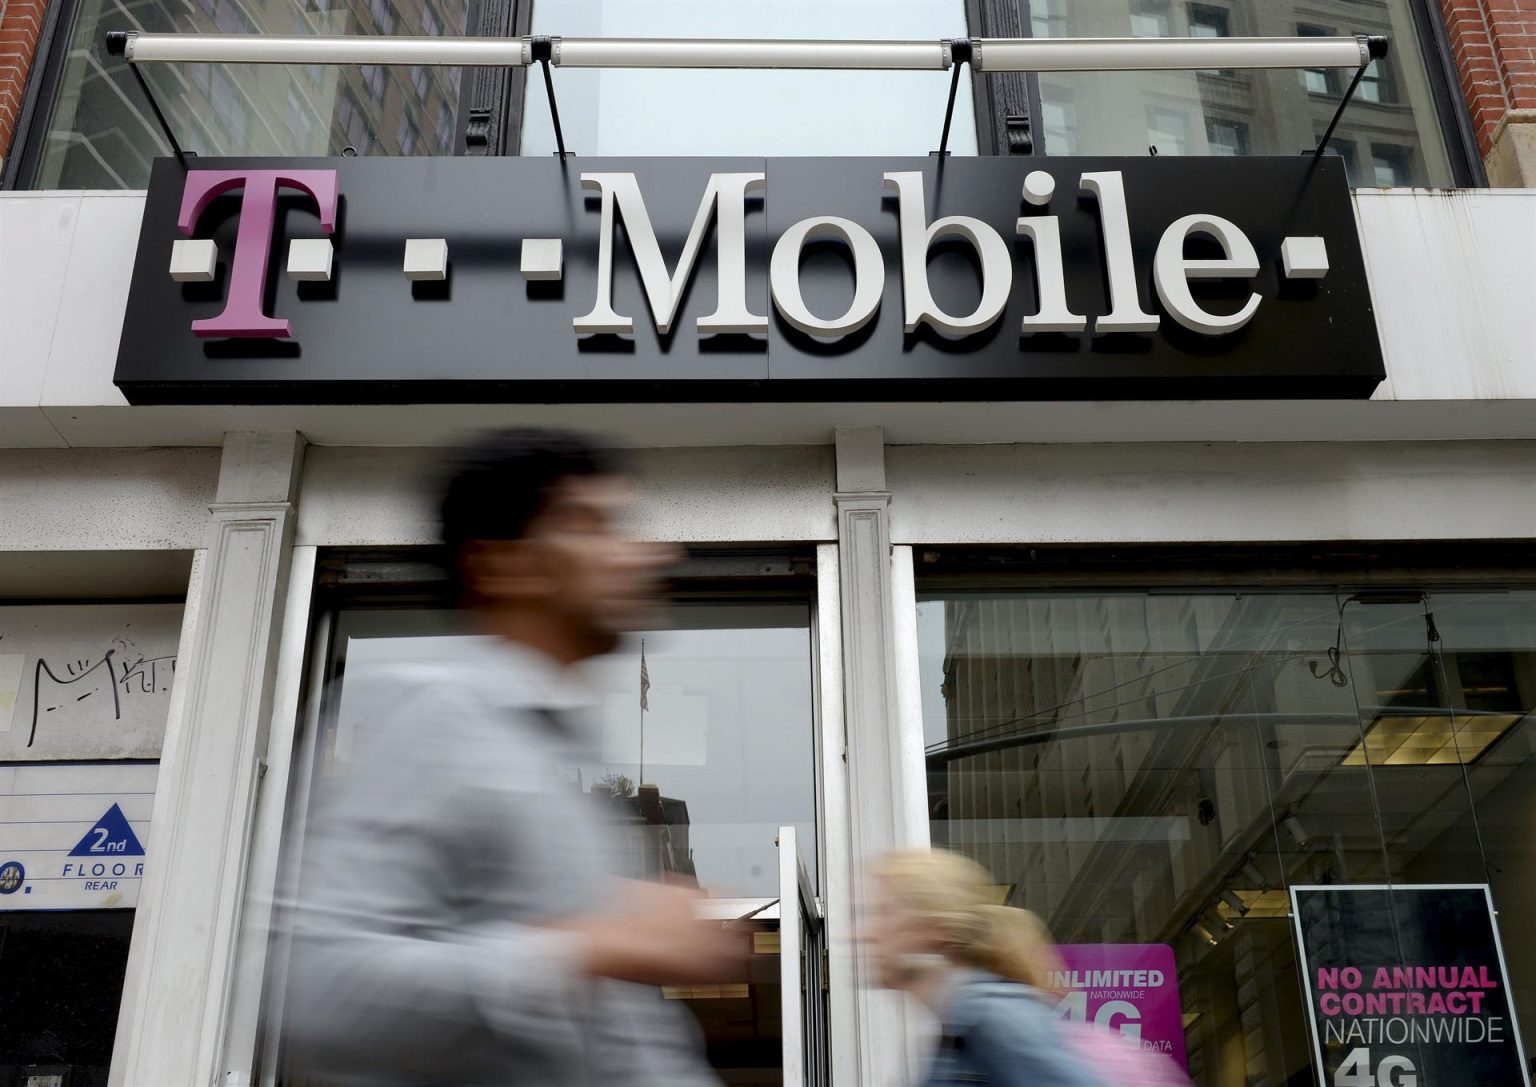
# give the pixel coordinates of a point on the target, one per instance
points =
(86, 681)
(105, 499)
(363, 497)
(1451, 275)
(1195, 493)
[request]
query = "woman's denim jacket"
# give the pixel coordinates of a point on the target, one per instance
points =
(1005, 1035)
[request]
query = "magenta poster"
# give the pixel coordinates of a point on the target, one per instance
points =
(1132, 988)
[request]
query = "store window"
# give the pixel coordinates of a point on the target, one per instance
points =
(1152, 772)
(1285, 112)
(637, 112)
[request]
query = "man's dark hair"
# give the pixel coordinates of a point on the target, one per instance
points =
(501, 481)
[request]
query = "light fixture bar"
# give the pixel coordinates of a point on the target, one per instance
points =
(320, 49)
(1160, 54)
(750, 53)
(988, 54)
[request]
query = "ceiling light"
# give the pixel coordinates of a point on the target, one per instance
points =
(705, 992)
(1429, 739)
(1258, 905)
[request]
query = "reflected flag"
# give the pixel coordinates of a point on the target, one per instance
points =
(645, 680)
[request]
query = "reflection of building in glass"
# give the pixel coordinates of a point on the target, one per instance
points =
(104, 134)
(653, 831)
(1243, 112)
(1159, 769)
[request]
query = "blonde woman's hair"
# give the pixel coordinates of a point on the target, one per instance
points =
(955, 897)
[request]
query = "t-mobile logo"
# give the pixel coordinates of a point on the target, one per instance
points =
(243, 314)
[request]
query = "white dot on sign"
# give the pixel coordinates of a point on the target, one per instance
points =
(1304, 258)
(1038, 187)
(309, 260)
(193, 260)
(542, 259)
(426, 258)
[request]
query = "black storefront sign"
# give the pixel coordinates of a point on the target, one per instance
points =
(1406, 987)
(811, 279)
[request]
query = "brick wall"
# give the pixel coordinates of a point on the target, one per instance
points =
(20, 22)
(1494, 42)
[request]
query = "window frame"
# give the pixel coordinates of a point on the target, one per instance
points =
(496, 92)
(1007, 104)
(339, 579)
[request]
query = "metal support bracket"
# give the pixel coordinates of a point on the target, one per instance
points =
(1376, 47)
(543, 51)
(960, 54)
(117, 46)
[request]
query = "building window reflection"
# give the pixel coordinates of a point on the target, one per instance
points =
(1048, 18)
(1160, 767)
(762, 112)
(102, 133)
(1281, 112)
(1318, 80)
(1226, 137)
(383, 16)
(1060, 121)
(1151, 19)
(1392, 165)
(1167, 131)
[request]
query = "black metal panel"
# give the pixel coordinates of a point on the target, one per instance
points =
(371, 336)
(1006, 102)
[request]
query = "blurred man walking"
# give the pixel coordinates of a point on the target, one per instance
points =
(459, 925)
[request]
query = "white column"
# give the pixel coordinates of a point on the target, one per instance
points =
(175, 997)
(878, 820)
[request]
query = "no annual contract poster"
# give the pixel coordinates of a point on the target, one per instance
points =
(1406, 985)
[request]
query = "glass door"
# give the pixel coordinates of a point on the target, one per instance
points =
(701, 760)
(802, 969)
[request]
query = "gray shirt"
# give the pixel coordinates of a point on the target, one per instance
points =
(419, 956)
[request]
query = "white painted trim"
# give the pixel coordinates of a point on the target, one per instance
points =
(255, 938)
(1189, 492)
(791, 970)
(136, 980)
(291, 850)
(388, 497)
(172, 1028)
(912, 804)
(836, 865)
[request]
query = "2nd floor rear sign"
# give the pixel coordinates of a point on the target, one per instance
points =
(589, 280)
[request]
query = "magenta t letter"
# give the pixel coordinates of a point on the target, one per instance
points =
(243, 316)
